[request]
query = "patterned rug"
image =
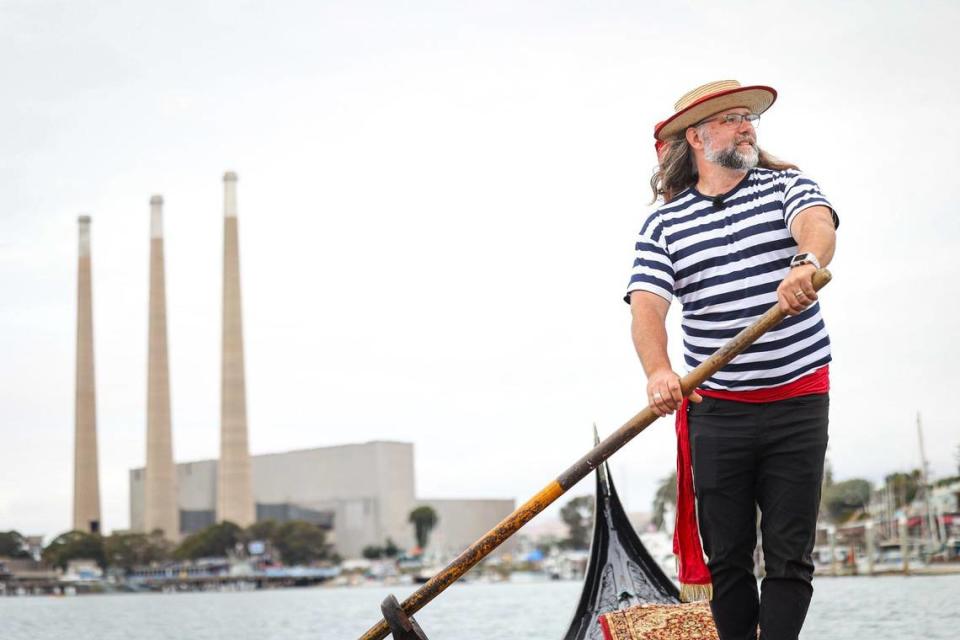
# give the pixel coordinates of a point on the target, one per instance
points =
(691, 621)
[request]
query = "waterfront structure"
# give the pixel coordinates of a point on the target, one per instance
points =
(362, 493)
(86, 482)
(234, 494)
(160, 491)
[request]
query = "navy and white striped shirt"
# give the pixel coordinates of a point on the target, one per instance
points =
(724, 264)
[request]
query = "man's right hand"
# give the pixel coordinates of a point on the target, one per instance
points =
(664, 394)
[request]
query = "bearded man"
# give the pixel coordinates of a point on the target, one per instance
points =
(737, 232)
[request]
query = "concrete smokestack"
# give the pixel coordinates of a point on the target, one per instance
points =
(160, 489)
(86, 482)
(234, 488)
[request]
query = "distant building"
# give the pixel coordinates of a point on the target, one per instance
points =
(945, 498)
(363, 493)
(461, 522)
(34, 546)
(24, 572)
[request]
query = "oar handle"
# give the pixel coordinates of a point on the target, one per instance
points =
(594, 458)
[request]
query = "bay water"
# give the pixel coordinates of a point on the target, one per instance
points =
(880, 608)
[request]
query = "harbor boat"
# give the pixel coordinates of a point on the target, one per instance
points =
(424, 574)
(621, 573)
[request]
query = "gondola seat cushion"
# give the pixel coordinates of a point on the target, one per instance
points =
(691, 621)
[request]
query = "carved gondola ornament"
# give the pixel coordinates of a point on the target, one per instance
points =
(621, 572)
(402, 626)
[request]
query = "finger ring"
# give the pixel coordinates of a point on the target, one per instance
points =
(657, 396)
(800, 293)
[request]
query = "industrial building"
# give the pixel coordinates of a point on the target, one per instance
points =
(362, 493)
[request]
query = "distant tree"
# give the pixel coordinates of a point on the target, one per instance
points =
(217, 540)
(301, 542)
(372, 552)
(13, 545)
(577, 514)
(75, 545)
(666, 496)
(375, 552)
(128, 550)
(904, 487)
(946, 481)
(390, 549)
(423, 519)
(841, 500)
(825, 483)
(262, 530)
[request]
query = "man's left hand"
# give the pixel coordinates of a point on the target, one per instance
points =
(796, 292)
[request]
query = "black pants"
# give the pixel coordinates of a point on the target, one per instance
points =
(771, 456)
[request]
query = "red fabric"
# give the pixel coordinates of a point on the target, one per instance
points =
(659, 145)
(605, 627)
(686, 536)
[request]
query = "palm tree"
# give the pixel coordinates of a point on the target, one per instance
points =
(423, 519)
(665, 498)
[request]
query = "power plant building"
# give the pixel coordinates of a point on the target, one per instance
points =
(362, 493)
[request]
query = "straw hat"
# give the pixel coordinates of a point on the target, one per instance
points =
(704, 101)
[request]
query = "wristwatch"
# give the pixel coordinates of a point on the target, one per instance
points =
(804, 258)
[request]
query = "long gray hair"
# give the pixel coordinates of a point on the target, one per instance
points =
(678, 169)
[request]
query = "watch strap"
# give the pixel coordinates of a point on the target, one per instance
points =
(804, 258)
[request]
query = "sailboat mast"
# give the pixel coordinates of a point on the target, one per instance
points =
(928, 521)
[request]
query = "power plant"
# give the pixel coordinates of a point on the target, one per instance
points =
(361, 493)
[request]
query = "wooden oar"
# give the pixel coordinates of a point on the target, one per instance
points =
(512, 523)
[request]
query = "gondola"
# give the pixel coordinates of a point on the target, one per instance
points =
(621, 573)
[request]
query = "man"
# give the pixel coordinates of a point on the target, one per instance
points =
(738, 231)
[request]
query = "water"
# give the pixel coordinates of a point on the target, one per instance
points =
(888, 608)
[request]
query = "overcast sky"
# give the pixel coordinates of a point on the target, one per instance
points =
(437, 206)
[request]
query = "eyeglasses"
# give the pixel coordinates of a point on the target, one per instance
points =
(734, 119)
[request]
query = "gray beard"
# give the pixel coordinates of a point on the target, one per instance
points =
(731, 157)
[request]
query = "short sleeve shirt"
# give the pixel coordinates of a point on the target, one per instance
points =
(723, 258)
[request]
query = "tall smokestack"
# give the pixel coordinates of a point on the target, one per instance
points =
(234, 492)
(86, 483)
(160, 489)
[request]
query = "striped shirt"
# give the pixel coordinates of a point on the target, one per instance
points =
(724, 263)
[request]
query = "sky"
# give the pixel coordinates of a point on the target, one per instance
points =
(437, 208)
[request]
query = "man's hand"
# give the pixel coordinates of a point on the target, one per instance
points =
(663, 392)
(796, 292)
